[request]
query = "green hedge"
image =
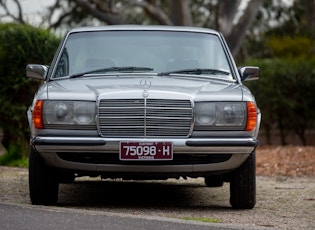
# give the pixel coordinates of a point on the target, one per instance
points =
(285, 94)
(20, 45)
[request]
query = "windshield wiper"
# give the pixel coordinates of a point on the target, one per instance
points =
(196, 71)
(123, 69)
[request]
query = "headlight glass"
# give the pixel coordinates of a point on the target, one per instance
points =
(220, 115)
(69, 113)
(205, 113)
(84, 113)
(231, 114)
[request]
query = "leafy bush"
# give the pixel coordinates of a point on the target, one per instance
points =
(15, 156)
(291, 47)
(20, 45)
(285, 94)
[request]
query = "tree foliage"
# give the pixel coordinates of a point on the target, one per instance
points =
(222, 15)
(285, 92)
(277, 19)
(19, 45)
(18, 16)
(285, 52)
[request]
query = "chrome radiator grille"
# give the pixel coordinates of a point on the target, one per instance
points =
(144, 117)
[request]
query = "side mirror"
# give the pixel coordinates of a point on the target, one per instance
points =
(36, 71)
(249, 73)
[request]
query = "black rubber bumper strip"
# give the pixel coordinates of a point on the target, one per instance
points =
(249, 143)
(40, 141)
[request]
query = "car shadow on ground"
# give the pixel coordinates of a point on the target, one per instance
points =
(149, 195)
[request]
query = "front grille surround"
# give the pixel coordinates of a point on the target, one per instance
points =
(145, 117)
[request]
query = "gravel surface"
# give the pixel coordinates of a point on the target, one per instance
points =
(285, 200)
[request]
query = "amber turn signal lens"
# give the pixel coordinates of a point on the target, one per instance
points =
(251, 116)
(37, 115)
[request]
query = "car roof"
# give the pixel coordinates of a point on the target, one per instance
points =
(144, 27)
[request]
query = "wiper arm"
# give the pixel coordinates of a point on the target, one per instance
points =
(126, 69)
(196, 71)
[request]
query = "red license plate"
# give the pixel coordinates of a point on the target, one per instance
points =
(147, 151)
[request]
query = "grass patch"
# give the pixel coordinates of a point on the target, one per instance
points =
(202, 219)
(14, 157)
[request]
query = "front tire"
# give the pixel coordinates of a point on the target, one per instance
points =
(243, 184)
(43, 183)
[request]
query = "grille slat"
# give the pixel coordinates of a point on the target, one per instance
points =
(144, 117)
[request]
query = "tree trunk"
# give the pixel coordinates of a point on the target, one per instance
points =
(310, 14)
(238, 30)
(227, 11)
(181, 15)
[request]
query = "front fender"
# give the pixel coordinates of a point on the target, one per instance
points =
(258, 123)
(29, 118)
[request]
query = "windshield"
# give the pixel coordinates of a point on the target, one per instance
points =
(157, 51)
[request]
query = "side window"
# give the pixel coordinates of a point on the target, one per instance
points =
(63, 64)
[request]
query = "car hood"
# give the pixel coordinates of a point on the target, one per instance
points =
(93, 88)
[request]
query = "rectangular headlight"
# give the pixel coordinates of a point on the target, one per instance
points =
(220, 115)
(69, 113)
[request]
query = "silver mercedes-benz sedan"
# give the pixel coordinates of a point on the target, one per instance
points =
(143, 102)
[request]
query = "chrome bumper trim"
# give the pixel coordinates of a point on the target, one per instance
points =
(102, 141)
(106, 145)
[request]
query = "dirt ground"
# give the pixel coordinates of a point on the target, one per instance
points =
(293, 161)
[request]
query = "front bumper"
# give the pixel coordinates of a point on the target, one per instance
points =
(51, 149)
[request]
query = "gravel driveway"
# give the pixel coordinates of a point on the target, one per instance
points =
(282, 202)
